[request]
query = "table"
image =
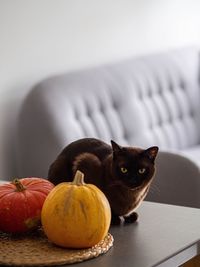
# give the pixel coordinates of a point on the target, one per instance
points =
(164, 236)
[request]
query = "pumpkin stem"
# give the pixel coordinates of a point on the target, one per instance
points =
(79, 178)
(19, 186)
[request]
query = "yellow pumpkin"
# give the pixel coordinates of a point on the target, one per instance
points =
(75, 214)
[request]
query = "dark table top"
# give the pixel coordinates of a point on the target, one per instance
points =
(165, 235)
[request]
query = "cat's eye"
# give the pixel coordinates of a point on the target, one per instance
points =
(123, 170)
(142, 171)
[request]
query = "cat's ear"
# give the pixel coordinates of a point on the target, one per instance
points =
(116, 148)
(151, 152)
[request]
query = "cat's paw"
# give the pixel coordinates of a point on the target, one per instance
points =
(131, 218)
(115, 220)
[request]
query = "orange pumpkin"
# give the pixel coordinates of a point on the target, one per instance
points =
(76, 215)
(21, 203)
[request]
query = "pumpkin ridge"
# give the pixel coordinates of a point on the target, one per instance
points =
(40, 192)
(82, 207)
(6, 194)
(39, 185)
(35, 196)
(24, 182)
(16, 207)
(30, 181)
(43, 187)
(6, 187)
(68, 198)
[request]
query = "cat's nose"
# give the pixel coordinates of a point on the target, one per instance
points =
(137, 181)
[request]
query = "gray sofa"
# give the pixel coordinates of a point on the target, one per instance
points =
(145, 101)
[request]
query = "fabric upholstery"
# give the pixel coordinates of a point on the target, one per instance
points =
(146, 101)
(177, 181)
(193, 153)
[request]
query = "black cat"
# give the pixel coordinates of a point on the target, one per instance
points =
(124, 174)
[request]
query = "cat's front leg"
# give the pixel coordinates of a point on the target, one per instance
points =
(131, 218)
(115, 219)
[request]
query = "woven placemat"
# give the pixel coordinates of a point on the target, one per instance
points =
(35, 250)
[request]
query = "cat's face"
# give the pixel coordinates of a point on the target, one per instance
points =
(134, 167)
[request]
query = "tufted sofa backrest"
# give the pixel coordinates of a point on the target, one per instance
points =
(163, 101)
(151, 100)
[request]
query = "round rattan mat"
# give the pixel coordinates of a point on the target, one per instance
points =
(35, 250)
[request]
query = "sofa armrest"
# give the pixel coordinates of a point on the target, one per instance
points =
(177, 181)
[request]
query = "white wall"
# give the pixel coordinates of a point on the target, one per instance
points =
(41, 37)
